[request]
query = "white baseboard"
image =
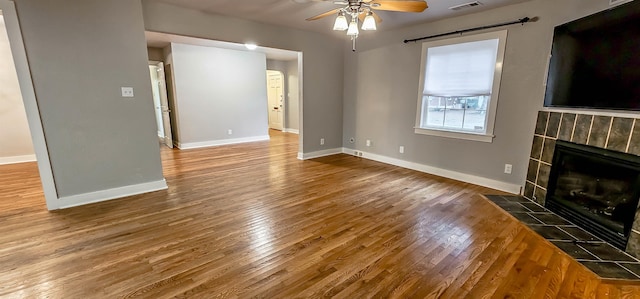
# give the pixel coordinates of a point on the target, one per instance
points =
(190, 145)
(468, 178)
(104, 195)
(322, 153)
(17, 159)
(293, 131)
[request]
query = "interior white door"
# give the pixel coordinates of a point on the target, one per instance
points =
(275, 95)
(153, 72)
(164, 105)
(161, 101)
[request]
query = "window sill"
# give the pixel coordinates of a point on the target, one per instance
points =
(456, 135)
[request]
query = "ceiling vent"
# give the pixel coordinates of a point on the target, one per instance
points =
(616, 2)
(466, 5)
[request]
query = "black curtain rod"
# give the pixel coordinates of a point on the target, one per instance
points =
(520, 21)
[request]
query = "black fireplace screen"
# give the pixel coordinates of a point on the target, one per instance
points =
(595, 188)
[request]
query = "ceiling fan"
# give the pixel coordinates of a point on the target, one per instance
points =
(363, 10)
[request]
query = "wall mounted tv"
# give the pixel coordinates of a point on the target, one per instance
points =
(595, 61)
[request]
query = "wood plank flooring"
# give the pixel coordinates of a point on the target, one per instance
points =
(252, 221)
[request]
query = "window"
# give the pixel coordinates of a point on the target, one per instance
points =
(459, 85)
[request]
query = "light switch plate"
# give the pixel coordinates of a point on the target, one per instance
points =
(127, 92)
(508, 168)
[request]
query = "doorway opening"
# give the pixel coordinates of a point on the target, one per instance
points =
(18, 58)
(15, 143)
(192, 127)
(20, 185)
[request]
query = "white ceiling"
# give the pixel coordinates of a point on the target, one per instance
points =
(292, 13)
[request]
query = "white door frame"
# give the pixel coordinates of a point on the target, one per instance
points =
(30, 104)
(300, 107)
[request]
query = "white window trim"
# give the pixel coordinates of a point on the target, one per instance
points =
(455, 134)
(493, 103)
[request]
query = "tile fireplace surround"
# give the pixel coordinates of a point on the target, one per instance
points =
(613, 133)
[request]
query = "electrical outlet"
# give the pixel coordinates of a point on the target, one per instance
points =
(401, 149)
(321, 141)
(508, 168)
(368, 142)
(360, 154)
(230, 132)
(127, 92)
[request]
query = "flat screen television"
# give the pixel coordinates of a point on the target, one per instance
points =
(595, 61)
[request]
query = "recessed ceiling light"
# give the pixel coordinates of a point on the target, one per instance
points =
(251, 46)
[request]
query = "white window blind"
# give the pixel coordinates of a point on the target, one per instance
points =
(465, 69)
(460, 86)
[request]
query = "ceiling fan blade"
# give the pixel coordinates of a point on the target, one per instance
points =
(362, 15)
(400, 5)
(326, 14)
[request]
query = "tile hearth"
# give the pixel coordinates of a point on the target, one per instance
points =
(600, 257)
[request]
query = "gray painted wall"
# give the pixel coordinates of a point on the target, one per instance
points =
(15, 139)
(290, 71)
(322, 55)
(80, 53)
(98, 140)
(381, 91)
(219, 90)
(155, 54)
(277, 65)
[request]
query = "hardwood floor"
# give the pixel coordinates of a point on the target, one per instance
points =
(251, 220)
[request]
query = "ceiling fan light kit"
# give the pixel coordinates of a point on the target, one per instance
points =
(369, 22)
(353, 29)
(362, 10)
(341, 22)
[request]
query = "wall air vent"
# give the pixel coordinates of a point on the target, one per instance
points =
(469, 5)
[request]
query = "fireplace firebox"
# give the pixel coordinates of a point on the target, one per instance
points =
(595, 188)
